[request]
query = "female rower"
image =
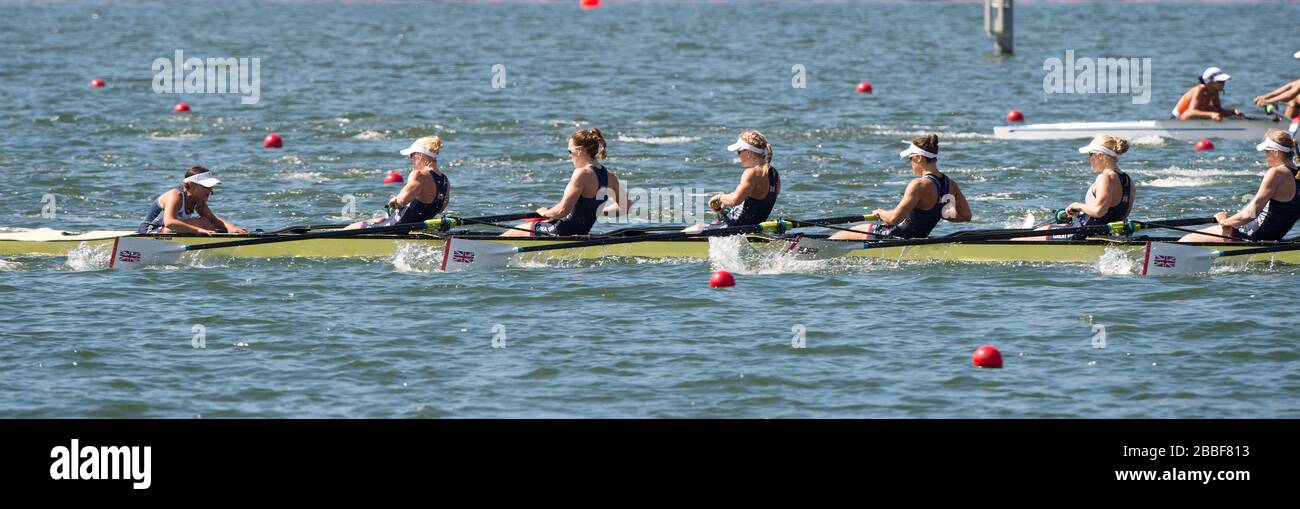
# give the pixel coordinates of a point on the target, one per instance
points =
(1275, 207)
(1202, 100)
(184, 209)
(589, 188)
(930, 196)
(760, 184)
(1288, 94)
(1109, 198)
(426, 191)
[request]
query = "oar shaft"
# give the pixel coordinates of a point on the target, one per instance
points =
(772, 225)
(1121, 226)
(1260, 250)
(432, 224)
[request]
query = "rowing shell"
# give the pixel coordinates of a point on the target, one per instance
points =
(1231, 129)
(56, 243)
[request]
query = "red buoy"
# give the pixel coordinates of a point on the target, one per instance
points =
(272, 141)
(722, 279)
(96, 83)
(864, 87)
(1015, 116)
(181, 108)
(589, 4)
(987, 357)
(1204, 145)
(393, 178)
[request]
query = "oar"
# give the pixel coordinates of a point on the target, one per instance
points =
(1164, 258)
(818, 249)
(463, 254)
(131, 252)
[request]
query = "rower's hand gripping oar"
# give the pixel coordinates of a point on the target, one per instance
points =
(131, 252)
(463, 254)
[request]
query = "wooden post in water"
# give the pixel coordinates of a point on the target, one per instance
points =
(997, 22)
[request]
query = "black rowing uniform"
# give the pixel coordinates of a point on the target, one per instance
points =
(919, 222)
(1275, 220)
(583, 216)
(418, 211)
(753, 211)
(1117, 213)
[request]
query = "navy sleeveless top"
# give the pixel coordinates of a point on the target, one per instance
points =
(583, 217)
(1117, 213)
(753, 211)
(1275, 220)
(153, 219)
(418, 211)
(921, 222)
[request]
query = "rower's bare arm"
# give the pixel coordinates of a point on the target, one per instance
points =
(1105, 185)
(171, 202)
(964, 213)
(743, 190)
(1201, 109)
(571, 194)
(1267, 188)
(619, 205)
(214, 219)
(411, 189)
(910, 198)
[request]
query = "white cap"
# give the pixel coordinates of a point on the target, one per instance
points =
(1214, 74)
(1094, 147)
(1297, 54)
(1268, 144)
(415, 148)
(205, 179)
(740, 144)
(913, 150)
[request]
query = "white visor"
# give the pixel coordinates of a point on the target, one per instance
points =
(1094, 147)
(913, 150)
(416, 149)
(1268, 144)
(740, 144)
(205, 179)
(1214, 74)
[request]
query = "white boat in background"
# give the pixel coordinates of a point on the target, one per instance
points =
(1231, 129)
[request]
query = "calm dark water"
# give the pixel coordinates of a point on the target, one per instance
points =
(347, 85)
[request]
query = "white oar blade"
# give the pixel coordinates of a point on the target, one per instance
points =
(133, 252)
(461, 254)
(801, 248)
(1163, 258)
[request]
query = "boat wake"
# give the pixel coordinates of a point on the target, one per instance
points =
(412, 257)
(738, 255)
(87, 257)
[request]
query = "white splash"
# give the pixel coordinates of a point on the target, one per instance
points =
(1118, 262)
(419, 258)
(1184, 182)
(88, 257)
(8, 265)
(370, 134)
(737, 254)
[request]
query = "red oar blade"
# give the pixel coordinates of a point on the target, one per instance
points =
(462, 255)
(1163, 258)
(134, 252)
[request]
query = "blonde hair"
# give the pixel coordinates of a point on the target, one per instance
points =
(757, 139)
(431, 143)
(928, 143)
(590, 140)
(1284, 139)
(1114, 143)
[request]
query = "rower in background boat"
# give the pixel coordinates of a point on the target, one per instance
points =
(1276, 206)
(1202, 101)
(1109, 198)
(1288, 94)
(760, 184)
(184, 209)
(929, 197)
(426, 192)
(589, 188)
